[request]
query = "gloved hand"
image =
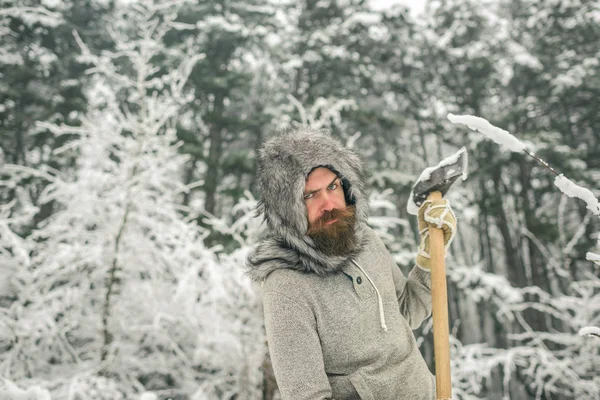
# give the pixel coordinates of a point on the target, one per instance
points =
(439, 214)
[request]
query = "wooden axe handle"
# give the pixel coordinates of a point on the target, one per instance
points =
(441, 334)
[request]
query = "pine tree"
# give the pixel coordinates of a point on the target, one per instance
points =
(42, 81)
(225, 119)
(116, 293)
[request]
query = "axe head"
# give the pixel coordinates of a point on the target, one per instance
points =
(438, 179)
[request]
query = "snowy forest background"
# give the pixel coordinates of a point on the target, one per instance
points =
(128, 136)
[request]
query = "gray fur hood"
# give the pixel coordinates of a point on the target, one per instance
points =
(283, 164)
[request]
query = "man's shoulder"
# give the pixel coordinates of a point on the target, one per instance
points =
(372, 239)
(287, 280)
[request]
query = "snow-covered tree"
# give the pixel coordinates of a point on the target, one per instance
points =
(549, 362)
(42, 81)
(116, 293)
(222, 123)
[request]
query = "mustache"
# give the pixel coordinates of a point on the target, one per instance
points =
(343, 215)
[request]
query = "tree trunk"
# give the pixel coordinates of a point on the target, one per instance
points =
(515, 271)
(189, 175)
(212, 177)
(539, 272)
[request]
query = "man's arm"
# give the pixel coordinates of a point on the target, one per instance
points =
(413, 294)
(295, 349)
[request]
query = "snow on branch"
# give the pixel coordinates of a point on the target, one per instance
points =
(324, 112)
(384, 224)
(481, 286)
(590, 331)
(571, 189)
(33, 15)
(9, 390)
(504, 138)
(118, 246)
(472, 367)
(61, 129)
(500, 136)
(593, 257)
(40, 172)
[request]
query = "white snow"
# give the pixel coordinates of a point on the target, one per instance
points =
(52, 3)
(311, 56)
(336, 51)
(573, 77)
(411, 207)
(364, 18)
(228, 25)
(592, 257)
(590, 331)
(9, 390)
(122, 205)
(504, 138)
(571, 189)
(10, 58)
(523, 57)
(498, 135)
(394, 7)
(378, 33)
(35, 15)
(148, 396)
(484, 286)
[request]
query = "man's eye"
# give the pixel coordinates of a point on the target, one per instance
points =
(333, 186)
(308, 196)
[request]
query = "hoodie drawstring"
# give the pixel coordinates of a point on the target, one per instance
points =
(379, 300)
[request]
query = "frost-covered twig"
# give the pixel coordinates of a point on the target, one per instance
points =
(322, 110)
(546, 253)
(32, 15)
(573, 190)
(61, 129)
(330, 109)
(590, 331)
(111, 280)
(31, 171)
(593, 257)
(8, 390)
(578, 234)
(507, 140)
(300, 108)
(498, 135)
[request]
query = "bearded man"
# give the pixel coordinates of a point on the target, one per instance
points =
(338, 311)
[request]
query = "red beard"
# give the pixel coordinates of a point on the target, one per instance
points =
(336, 238)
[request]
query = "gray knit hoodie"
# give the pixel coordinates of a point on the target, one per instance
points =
(337, 327)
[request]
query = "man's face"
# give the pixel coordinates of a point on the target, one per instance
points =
(322, 192)
(331, 223)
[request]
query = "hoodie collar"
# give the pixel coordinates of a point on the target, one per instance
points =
(274, 253)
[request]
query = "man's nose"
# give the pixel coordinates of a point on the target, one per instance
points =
(328, 203)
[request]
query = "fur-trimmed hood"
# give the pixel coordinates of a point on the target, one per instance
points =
(283, 164)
